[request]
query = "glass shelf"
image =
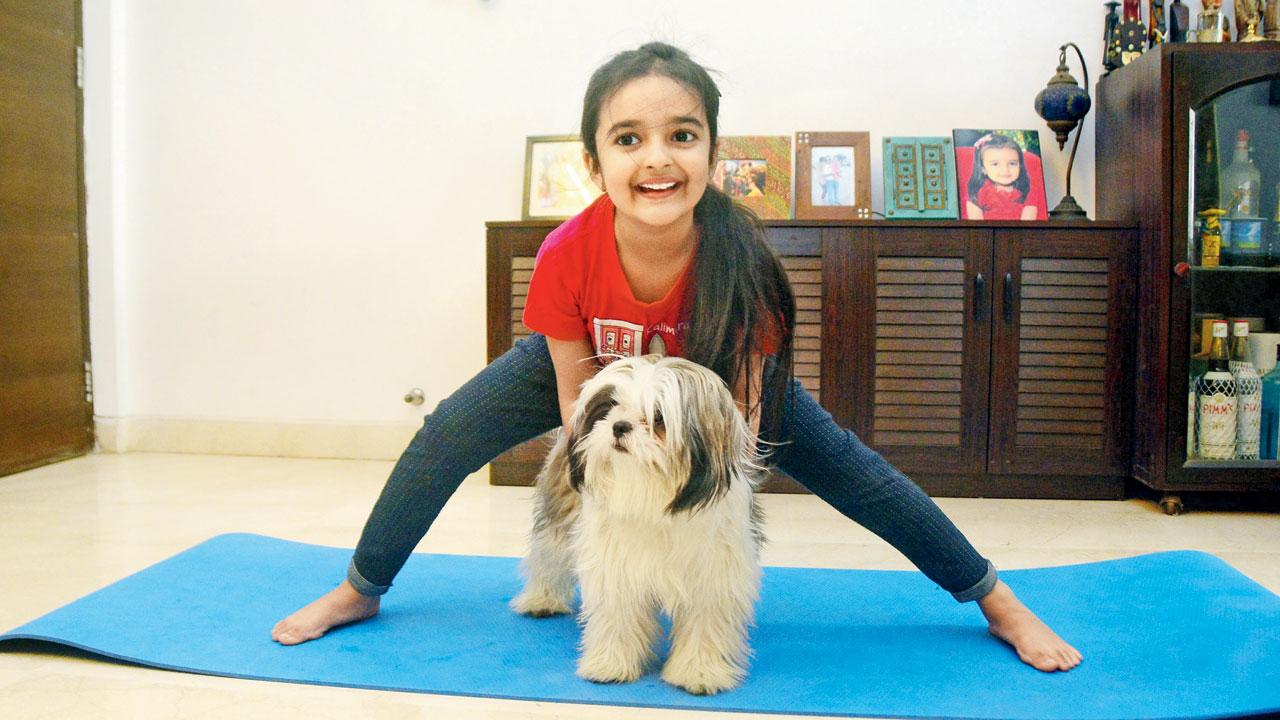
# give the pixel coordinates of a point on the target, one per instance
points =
(1233, 465)
(1235, 269)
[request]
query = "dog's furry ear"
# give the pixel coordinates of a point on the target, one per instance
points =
(584, 418)
(710, 463)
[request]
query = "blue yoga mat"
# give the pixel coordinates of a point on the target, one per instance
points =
(1169, 635)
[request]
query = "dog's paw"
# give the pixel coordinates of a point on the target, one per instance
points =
(601, 668)
(538, 603)
(702, 678)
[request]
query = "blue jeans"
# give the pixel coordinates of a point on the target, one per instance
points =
(514, 399)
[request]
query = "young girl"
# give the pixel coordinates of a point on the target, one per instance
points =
(999, 185)
(661, 260)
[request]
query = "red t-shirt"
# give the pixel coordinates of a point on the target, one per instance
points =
(999, 203)
(578, 290)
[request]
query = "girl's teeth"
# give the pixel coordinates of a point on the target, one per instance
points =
(663, 186)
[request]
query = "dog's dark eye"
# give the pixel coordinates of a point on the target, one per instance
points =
(658, 423)
(599, 406)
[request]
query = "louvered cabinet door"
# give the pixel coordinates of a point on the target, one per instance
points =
(927, 349)
(1063, 299)
(510, 265)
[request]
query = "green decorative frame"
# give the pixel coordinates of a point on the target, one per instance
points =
(920, 178)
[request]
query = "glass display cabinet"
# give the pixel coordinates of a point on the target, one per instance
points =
(1188, 148)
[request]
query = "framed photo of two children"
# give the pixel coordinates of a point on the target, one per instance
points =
(833, 175)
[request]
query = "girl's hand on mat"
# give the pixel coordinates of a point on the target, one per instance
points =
(340, 606)
(1036, 645)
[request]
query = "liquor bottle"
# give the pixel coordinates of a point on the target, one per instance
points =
(1206, 167)
(1216, 409)
(1269, 444)
(1210, 237)
(1241, 182)
(1248, 395)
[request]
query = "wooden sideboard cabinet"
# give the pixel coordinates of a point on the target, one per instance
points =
(983, 359)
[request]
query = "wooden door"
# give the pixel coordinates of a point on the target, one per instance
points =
(45, 413)
(921, 297)
(1061, 352)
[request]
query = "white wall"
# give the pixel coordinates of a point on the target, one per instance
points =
(287, 198)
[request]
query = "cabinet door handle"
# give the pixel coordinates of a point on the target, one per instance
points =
(1008, 297)
(979, 289)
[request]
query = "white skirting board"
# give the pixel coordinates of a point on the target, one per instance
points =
(367, 441)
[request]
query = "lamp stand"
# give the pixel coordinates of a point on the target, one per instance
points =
(1068, 208)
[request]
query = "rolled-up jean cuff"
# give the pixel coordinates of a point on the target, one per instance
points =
(980, 589)
(362, 586)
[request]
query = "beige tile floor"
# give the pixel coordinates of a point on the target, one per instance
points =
(73, 527)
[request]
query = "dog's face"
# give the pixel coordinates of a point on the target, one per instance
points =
(657, 435)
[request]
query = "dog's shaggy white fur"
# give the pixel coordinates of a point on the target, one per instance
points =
(648, 500)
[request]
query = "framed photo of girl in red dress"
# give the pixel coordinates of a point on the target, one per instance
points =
(1000, 175)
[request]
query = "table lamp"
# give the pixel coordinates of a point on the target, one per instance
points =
(1063, 104)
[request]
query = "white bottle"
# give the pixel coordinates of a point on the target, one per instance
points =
(1248, 395)
(1216, 409)
(1241, 182)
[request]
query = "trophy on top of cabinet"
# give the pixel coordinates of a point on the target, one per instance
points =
(1179, 21)
(1111, 38)
(1132, 34)
(1247, 11)
(1212, 27)
(1158, 31)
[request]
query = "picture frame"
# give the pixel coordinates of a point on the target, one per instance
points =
(557, 185)
(833, 175)
(919, 178)
(756, 171)
(1021, 199)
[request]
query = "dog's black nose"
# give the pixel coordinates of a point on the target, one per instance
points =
(620, 428)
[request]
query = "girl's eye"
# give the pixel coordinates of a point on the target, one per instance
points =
(628, 140)
(684, 136)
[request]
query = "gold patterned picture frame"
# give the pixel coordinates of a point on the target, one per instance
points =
(557, 185)
(756, 171)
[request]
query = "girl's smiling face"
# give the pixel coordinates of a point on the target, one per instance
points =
(1001, 165)
(654, 151)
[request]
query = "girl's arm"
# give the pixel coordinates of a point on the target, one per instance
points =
(1029, 212)
(739, 392)
(972, 212)
(575, 364)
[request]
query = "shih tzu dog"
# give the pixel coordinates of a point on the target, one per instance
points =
(648, 501)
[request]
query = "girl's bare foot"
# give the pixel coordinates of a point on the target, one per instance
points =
(340, 606)
(1037, 645)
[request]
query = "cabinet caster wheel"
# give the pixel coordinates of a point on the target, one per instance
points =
(1172, 505)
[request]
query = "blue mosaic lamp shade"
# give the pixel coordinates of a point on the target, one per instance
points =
(920, 178)
(1063, 103)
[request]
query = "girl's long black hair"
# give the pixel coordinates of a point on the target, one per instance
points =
(742, 301)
